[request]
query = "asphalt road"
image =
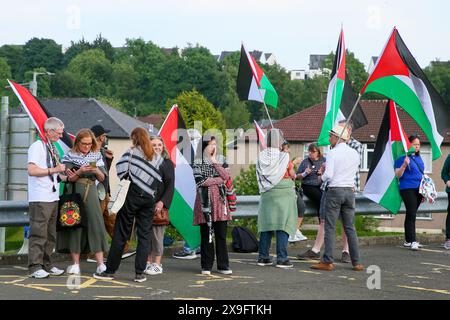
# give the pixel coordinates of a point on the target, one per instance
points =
(403, 274)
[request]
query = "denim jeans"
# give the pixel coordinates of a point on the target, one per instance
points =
(265, 240)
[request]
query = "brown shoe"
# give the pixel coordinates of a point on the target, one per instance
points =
(323, 266)
(358, 267)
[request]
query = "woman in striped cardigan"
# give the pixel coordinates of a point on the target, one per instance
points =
(141, 165)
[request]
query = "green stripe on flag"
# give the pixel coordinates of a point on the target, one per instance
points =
(180, 215)
(270, 96)
(391, 199)
(395, 89)
(330, 117)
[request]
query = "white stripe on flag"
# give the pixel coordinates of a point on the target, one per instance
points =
(254, 93)
(381, 177)
(184, 180)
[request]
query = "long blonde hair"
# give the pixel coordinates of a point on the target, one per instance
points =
(140, 138)
(165, 153)
(84, 133)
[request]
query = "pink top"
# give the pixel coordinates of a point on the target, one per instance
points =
(219, 206)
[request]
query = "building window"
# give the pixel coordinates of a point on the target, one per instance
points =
(367, 156)
(427, 157)
(424, 216)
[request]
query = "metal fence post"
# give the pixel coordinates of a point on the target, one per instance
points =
(4, 128)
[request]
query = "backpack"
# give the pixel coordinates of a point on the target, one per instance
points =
(244, 240)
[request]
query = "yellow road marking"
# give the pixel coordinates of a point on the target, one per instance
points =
(198, 298)
(117, 297)
(431, 250)
(426, 289)
(418, 277)
(31, 286)
(308, 271)
(88, 283)
(435, 264)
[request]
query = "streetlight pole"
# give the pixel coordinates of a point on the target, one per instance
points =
(33, 83)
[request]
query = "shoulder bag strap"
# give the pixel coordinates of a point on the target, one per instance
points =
(129, 164)
(418, 167)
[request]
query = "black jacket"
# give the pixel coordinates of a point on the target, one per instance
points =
(166, 189)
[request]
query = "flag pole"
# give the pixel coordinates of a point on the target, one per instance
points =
(265, 106)
(349, 117)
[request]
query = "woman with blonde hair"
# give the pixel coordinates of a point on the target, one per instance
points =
(83, 168)
(141, 165)
(163, 200)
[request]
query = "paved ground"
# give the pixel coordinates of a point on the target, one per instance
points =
(404, 275)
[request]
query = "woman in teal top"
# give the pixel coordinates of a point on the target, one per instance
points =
(445, 174)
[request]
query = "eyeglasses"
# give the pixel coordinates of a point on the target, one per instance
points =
(58, 133)
(86, 144)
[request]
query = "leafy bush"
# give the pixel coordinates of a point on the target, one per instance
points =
(246, 183)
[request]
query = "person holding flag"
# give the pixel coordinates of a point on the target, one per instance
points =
(43, 196)
(342, 164)
(409, 171)
(211, 210)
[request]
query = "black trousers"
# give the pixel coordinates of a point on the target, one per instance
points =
(207, 249)
(412, 199)
(314, 193)
(447, 221)
(139, 206)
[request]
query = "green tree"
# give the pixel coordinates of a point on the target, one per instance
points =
(5, 72)
(202, 72)
(41, 53)
(104, 45)
(95, 70)
(14, 56)
(66, 84)
(438, 72)
(75, 49)
(195, 107)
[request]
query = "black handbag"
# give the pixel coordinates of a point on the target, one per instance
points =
(71, 211)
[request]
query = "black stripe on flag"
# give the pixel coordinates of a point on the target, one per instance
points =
(382, 139)
(245, 76)
(441, 111)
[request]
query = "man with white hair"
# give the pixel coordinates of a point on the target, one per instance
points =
(43, 196)
(342, 164)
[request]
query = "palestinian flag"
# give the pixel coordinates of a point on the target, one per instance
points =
(340, 97)
(252, 83)
(398, 76)
(392, 143)
(260, 135)
(38, 114)
(177, 141)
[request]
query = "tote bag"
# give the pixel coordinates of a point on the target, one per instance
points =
(71, 211)
(120, 196)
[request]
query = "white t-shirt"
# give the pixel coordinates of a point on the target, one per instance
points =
(40, 189)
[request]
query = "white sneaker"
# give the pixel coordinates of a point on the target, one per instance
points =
(293, 238)
(40, 274)
(101, 268)
(56, 272)
(447, 244)
(225, 271)
(154, 269)
(206, 272)
(73, 269)
(299, 235)
(408, 244)
(415, 246)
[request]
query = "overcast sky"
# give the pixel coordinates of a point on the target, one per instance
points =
(292, 30)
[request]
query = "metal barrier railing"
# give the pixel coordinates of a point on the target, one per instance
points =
(15, 213)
